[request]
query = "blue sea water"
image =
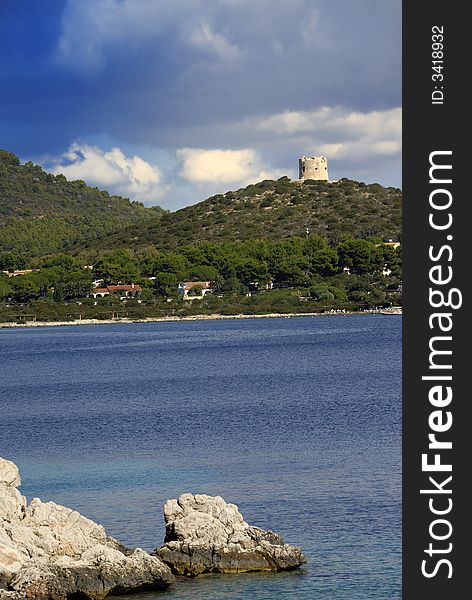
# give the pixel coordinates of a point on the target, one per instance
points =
(295, 420)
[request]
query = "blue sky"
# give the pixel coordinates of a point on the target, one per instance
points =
(168, 102)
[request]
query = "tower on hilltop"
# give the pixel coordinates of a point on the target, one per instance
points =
(313, 167)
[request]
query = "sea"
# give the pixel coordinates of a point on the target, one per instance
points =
(295, 420)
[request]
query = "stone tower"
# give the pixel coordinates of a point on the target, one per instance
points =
(313, 167)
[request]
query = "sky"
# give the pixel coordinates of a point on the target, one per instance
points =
(170, 101)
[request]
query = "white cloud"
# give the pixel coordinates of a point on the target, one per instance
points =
(361, 145)
(221, 166)
(360, 151)
(346, 137)
(310, 28)
(387, 122)
(127, 176)
(204, 38)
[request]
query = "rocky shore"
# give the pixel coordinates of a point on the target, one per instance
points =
(50, 552)
(212, 317)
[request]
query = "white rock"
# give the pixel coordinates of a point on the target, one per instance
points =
(9, 474)
(12, 504)
(11, 561)
(49, 552)
(204, 534)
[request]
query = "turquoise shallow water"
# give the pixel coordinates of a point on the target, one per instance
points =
(297, 421)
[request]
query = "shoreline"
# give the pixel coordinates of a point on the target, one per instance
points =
(172, 319)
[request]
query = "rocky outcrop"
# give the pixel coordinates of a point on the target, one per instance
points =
(204, 534)
(101, 570)
(50, 552)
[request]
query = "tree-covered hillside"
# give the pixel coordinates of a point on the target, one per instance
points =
(41, 213)
(276, 210)
(276, 246)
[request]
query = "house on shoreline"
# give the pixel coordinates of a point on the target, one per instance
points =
(194, 290)
(123, 291)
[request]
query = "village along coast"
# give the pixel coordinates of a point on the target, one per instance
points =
(73, 254)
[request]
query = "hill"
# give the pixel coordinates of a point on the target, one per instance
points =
(41, 213)
(276, 210)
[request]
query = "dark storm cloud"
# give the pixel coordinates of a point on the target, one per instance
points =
(158, 77)
(138, 69)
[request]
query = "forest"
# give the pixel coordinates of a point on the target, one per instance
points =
(301, 274)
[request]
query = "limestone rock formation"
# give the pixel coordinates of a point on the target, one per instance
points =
(204, 534)
(9, 474)
(50, 552)
(101, 570)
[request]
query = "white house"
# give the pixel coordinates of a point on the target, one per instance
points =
(123, 291)
(185, 289)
